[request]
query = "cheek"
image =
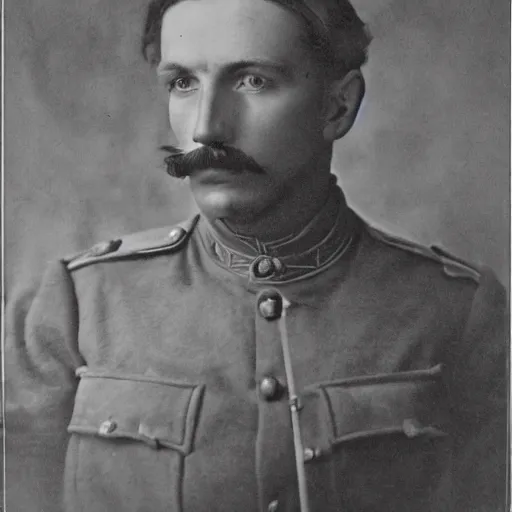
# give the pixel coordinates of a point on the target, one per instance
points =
(295, 124)
(180, 120)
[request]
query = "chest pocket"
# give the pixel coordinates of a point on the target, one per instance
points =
(405, 404)
(374, 431)
(155, 411)
(130, 437)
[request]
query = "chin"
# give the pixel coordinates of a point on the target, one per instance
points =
(226, 203)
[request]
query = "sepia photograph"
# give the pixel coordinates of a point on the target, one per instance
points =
(256, 256)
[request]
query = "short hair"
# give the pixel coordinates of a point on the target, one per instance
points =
(337, 35)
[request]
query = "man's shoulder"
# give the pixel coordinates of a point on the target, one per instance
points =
(146, 243)
(401, 267)
(418, 257)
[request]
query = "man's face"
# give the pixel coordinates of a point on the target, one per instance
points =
(240, 75)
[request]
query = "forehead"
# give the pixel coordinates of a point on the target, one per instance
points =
(217, 31)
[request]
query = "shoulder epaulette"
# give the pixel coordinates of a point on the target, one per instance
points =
(452, 265)
(153, 241)
(455, 266)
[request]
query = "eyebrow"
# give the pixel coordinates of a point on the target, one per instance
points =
(279, 67)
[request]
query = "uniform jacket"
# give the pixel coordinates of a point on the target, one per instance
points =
(148, 374)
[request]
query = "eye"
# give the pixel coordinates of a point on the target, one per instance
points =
(182, 84)
(253, 83)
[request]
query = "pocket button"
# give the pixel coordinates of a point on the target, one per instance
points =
(412, 428)
(107, 427)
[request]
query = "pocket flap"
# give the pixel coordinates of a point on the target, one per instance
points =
(411, 404)
(156, 411)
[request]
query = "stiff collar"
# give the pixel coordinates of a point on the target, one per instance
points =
(297, 256)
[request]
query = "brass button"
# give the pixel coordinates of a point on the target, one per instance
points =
(311, 453)
(273, 506)
(176, 234)
(264, 267)
(278, 265)
(270, 305)
(269, 309)
(411, 428)
(270, 388)
(107, 427)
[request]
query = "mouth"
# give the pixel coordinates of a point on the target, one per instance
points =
(217, 175)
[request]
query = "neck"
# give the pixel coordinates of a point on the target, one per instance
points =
(289, 216)
(296, 255)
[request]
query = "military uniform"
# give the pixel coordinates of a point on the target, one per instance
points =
(160, 361)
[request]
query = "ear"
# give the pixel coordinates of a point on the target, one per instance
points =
(342, 104)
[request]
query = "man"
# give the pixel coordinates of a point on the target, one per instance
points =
(275, 352)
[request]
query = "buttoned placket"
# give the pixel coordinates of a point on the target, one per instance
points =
(280, 455)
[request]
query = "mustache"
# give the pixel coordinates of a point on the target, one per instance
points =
(180, 163)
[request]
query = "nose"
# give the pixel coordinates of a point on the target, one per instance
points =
(212, 122)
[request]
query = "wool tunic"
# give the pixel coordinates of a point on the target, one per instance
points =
(146, 375)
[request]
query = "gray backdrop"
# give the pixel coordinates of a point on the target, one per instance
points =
(429, 153)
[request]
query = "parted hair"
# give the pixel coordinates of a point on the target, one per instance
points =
(338, 36)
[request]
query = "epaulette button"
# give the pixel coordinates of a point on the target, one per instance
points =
(105, 248)
(176, 234)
